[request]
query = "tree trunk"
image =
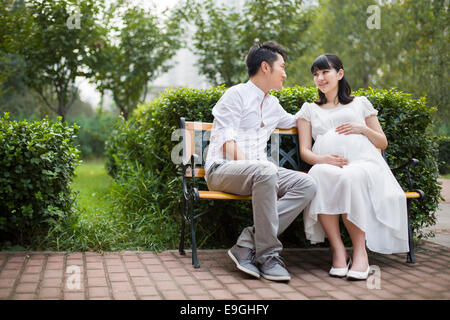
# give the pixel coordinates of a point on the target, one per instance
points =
(366, 81)
(123, 111)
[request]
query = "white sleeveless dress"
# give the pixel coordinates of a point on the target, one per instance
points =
(365, 189)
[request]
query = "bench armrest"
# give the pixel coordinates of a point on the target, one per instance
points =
(194, 190)
(408, 165)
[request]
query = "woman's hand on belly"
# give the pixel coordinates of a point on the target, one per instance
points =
(351, 128)
(333, 159)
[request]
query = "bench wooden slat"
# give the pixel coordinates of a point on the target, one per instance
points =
(285, 131)
(217, 195)
(412, 195)
(199, 172)
(204, 126)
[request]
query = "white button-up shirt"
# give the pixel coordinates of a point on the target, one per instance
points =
(248, 116)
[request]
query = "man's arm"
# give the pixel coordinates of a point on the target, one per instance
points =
(227, 117)
(286, 120)
(232, 151)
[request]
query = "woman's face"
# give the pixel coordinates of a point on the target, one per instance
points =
(327, 80)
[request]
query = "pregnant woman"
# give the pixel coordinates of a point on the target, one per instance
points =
(352, 178)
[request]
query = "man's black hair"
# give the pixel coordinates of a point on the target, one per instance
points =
(263, 52)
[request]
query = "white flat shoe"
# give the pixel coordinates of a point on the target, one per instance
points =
(340, 272)
(358, 275)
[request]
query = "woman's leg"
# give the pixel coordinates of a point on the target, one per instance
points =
(330, 224)
(360, 258)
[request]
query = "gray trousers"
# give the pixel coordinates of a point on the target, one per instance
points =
(266, 183)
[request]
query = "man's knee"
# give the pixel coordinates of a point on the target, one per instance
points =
(311, 188)
(307, 186)
(266, 171)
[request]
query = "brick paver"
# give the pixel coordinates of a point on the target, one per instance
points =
(168, 275)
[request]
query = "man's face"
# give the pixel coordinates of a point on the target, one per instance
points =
(277, 74)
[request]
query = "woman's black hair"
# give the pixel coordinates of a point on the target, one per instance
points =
(266, 51)
(328, 61)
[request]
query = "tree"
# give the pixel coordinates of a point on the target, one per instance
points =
(409, 50)
(343, 27)
(419, 63)
(11, 64)
(54, 38)
(223, 35)
(218, 42)
(133, 52)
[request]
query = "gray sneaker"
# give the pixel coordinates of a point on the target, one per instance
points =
(243, 257)
(274, 269)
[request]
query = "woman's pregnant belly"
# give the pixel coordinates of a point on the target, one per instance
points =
(351, 146)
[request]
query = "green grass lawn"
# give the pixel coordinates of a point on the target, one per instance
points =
(97, 227)
(445, 176)
(93, 183)
(103, 222)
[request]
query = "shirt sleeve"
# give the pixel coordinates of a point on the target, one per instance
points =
(368, 109)
(304, 112)
(286, 119)
(227, 117)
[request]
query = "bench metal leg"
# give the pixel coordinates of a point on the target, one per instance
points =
(410, 257)
(187, 215)
(194, 241)
(183, 226)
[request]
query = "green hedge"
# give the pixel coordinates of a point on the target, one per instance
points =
(37, 162)
(144, 143)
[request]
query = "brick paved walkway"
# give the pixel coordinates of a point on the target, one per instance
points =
(445, 192)
(167, 275)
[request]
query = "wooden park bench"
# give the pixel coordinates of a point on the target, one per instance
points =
(195, 140)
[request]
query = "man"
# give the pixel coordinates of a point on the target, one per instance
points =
(244, 119)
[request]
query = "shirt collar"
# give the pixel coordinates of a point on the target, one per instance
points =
(256, 89)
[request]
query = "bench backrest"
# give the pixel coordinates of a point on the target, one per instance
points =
(282, 147)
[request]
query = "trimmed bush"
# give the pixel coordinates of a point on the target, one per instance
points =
(37, 162)
(144, 143)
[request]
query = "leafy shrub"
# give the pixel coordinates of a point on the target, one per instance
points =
(37, 162)
(144, 210)
(146, 139)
